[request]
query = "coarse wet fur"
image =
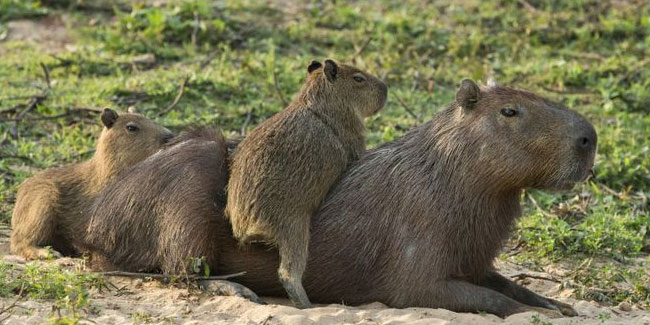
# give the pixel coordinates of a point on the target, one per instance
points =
(416, 222)
(282, 171)
(51, 206)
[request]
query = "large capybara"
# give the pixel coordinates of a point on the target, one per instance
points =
(282, 171)
(414, 223)
(51, 206)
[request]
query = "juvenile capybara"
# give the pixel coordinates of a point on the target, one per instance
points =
(51, 206)
(414, 223)
(282, 171)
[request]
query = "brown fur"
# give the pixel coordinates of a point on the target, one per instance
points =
(197, 159)
(414, 223)
(282, 171)
(51, 206)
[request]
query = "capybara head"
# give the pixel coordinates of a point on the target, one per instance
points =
(348, 85)
(128, 138)
(521, 140)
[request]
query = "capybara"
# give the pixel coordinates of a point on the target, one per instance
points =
(414, 223)
(51, 206)
(151, 243)
(282, 171)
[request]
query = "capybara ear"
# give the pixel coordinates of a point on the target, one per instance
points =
(109, 117)
(313, 66)
(331, 69)
(132, 110)
(468, 94)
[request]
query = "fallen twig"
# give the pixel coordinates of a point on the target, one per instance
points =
(195, 31)
(532, 199)
(16, 157)
(46, 73)
(532, 276)
(12, 305)
(407, 108)
(528, 6)
(204, 63)
(166, 277)
(16, 97)
(249, 114)
(570, 91)
(53, 117)
(277, 86)
(362, 48)
(179, 95)
(33, 102)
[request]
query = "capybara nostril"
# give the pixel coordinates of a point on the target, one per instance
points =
(587, 142)
(167, 137)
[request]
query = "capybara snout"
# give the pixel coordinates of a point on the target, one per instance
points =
(576, 150)
(585, 145)
(522, 139)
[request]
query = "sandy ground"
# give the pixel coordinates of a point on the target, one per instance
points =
(49, 33)
(130, 301)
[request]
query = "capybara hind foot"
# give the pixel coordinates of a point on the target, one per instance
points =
(296, 293)
(565, 309)
(38, 253)
(550, 313)
(497, 282)
(228, 288)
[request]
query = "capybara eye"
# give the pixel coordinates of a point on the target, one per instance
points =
(358, 79)
(132, 127)
(508, 112)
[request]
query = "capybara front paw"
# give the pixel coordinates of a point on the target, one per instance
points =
(228, 288)
(36, 253)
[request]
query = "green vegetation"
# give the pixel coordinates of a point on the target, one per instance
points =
(68, 289)
(239, 61)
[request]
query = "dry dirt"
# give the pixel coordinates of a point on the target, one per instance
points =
(131, 300)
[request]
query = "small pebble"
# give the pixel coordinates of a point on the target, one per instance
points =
(625, 306)
(137, 283)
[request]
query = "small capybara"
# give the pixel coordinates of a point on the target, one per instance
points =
(51, 206)
(414, 223)
(282, 171)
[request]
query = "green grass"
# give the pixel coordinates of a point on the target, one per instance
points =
(591, 55)
(68, 290)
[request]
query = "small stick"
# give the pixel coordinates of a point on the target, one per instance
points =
(208, 60)
(46, 72)
(532, 199)
(17, 97)
(195, 31)
(53, 117)
(277, 86)
(25, 158)
(570, 92)
(407, 108)
(33, 102)
(246, 121)
(362, 48)
(12, 305)
(528, 6)
(532, 276)
(168, 277)
(181, 91)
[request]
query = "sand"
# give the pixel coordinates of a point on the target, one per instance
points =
(133, 300)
